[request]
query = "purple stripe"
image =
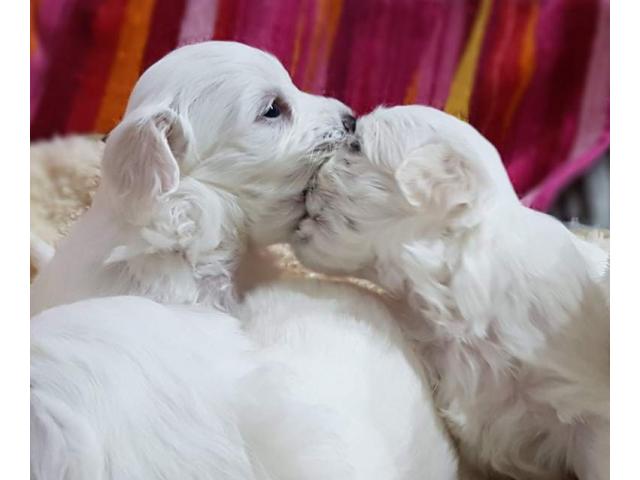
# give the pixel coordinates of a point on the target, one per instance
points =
(594, 115)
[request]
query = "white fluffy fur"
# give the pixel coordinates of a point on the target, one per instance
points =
(351, 358)
(320, 385)
(194, 172)
(123, 387)
(513, 321)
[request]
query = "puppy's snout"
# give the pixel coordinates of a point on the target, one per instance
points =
(349, 123)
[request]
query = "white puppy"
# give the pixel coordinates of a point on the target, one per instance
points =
(512, 318)
(320, 385)
(214, 151)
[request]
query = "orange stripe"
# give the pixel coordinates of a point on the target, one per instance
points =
(326, 26)
(526, 64)
(318, 27)
(126, 65)
(412, 91)
(33, 44)
(334, 8)
(300, 24)
(462, 86)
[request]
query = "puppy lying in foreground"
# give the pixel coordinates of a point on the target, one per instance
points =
(306, 386)
(313, 382)
(511, 315)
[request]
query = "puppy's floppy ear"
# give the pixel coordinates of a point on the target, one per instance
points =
(438, 178)
(143, 155)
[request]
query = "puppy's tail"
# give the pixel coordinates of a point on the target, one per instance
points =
(41, 252)
(62, 446)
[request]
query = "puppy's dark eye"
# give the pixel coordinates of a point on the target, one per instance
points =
(273, 111)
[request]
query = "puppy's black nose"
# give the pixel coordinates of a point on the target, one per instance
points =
(349, 123)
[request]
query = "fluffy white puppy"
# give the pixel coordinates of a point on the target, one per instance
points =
(512, 319)
(318, 386)
(214, 151)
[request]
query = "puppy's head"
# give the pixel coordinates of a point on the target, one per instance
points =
(407, 172)
(224, 116)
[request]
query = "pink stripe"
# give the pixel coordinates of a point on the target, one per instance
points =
(428, 66)
(52, 13)
(39, 66)
(198, 21)
(267, 25)
(542, 197)
(594, 116)
(450, 51)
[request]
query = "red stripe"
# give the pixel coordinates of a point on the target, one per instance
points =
(373, 59)
(62, 79)
(165, 30)
(86, 104)
(341, 55)
(225, 24)
(498, 73)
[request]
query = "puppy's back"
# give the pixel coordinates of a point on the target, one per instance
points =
(122, 387)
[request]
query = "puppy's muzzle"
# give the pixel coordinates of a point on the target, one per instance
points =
(349, 123)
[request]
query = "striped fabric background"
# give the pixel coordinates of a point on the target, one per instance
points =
(532, 75)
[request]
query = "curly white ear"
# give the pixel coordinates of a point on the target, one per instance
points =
(438, 178)
(143, 156)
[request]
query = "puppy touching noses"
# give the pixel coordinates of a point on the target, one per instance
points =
(427, 212)
(211, 127)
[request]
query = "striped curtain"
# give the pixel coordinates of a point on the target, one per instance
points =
(531, 75)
